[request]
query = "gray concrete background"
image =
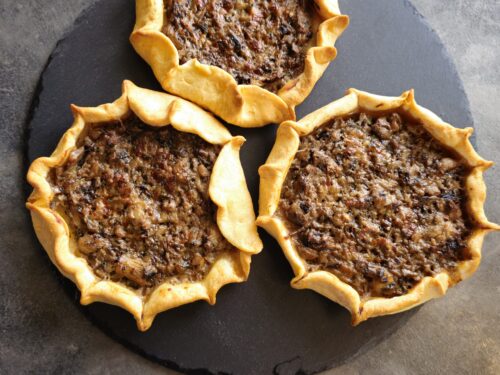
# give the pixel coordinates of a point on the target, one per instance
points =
(42, 332)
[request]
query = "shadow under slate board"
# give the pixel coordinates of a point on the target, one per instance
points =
(262, 326)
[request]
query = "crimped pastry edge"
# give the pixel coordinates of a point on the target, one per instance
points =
(274, 171)
(215, 89)
(156, 109)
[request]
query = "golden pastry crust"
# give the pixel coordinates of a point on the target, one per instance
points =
(215, 89)
(227, 189)
(274, 172)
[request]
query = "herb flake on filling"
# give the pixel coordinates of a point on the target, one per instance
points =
(261, 42)
(377, 202)
(137, 200)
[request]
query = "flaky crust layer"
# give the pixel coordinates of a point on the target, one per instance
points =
(227, 189)
(274, 171)
(215, 89)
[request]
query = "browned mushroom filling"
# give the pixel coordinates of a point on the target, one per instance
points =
(260, 42)
(137, 197)
(378, 203)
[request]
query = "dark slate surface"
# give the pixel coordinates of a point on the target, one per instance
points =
(43, 331)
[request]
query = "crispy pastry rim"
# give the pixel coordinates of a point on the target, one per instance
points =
(215, 89)
(227, 189)
(274, 171)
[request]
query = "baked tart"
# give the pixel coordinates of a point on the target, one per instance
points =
(144, 205)
(249, 63)
(376, 202)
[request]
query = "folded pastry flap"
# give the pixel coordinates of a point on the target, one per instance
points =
(157, 50)
(273, 172)
(40, 168)
(228, 268)
(476, 192)
(190, 118)
(152, 107)
(37, 174)
(327, 8)
(114, 294)
(53, 233)
(343, 107)
(245, 262)
(330, 286)
(317, 59)
(160, 109)
(105, 112)
(219, 92)
(330, 30)
(474, 244)
(277, 229)
(149, 14)
(259, 108)
(215, 88)
(157, 109)
(378, 103)
(169, 296)
(228, 190)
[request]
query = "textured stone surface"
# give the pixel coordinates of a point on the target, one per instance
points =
(42, 331)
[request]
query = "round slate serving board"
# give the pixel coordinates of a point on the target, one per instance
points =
(262, 326)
